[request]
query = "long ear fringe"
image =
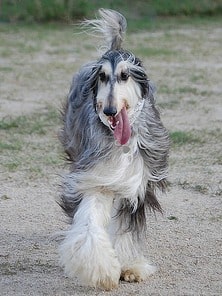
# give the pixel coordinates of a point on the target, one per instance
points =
(111, 25)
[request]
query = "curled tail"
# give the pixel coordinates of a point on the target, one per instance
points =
(111, 24)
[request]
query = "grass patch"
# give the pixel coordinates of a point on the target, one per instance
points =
(217, 218)
(196, 77)
(150, 52)
(12, 165)
(29, 143)
(5, 197)
(15, 145)
(9, 123)
(187, 90)
(164, 88)
(180, 138)
(200, 188)
(172, 218)
(183, 92)
(6, 69)
(48, 10)
(171, 104)
(34, 124)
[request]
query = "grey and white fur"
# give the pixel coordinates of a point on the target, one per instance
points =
(118, 150)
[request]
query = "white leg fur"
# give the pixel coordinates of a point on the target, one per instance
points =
(134, 266)
(87, 251)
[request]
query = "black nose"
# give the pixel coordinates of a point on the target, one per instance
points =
(110, 111)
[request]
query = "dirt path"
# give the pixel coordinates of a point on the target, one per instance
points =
(36, 66)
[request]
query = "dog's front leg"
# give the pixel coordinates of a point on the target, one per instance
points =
(128, 246)
(87, 251)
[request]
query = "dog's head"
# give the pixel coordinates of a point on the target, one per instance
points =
(121, 85)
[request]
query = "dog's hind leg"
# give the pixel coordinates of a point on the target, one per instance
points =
(87, 251)
(128, 246)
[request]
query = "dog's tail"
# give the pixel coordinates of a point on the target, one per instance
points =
(111, 24)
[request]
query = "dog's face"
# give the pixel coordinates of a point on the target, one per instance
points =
(120, 86)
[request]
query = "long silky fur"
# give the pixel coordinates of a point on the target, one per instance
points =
(92, 151)
(87, 142)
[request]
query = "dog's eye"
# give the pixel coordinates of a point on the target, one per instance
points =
(102, 76)
(124, 76)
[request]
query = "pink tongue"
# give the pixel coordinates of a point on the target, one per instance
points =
(122, 131)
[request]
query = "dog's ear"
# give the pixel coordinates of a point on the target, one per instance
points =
(94, 79)
(94, 83)
(84, 85)
(144, 85)
(139, 75)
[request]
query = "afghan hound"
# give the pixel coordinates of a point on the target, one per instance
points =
(118, 151)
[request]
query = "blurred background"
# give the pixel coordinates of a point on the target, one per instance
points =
(71, 10)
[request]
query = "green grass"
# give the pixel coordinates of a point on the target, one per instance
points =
(180, 138)
(200, 188)
(48, 10)
(172, 218)
(12, 165)
(147, 51)
(29, 143)
(169, 104)
(5, 197)
(16, 145)
(33, 124)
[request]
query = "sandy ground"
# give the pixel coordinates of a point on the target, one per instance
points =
(185, 243)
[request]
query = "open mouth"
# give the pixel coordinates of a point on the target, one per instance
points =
(120, 126)
(113, 122)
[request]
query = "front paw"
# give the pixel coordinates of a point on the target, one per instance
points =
(130, 275)
(136, 272)
(92, 259)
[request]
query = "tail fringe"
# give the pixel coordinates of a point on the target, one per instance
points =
(111, 25)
